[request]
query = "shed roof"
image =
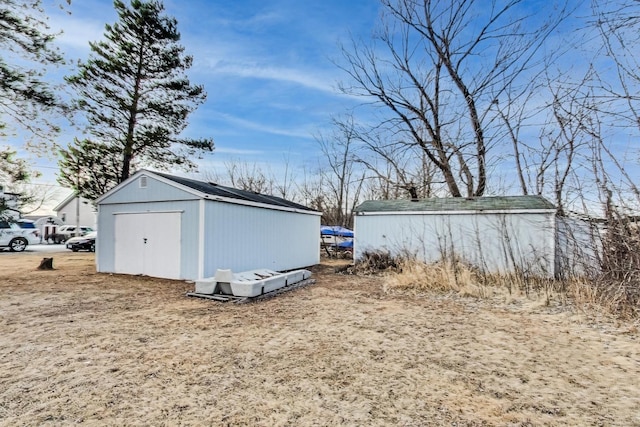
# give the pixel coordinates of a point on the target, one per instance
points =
(233, 193)
(450, 204)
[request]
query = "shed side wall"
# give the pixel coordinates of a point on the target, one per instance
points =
(494, 242)
(243, 238)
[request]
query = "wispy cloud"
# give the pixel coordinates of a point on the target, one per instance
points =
(77, 29)
(77, 34)
(237, 151)
(289, 75)
(247, 124)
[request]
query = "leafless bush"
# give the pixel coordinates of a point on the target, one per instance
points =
(376, 262)
(617, 286)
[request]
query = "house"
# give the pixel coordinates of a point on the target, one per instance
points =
(46, 224)
(75, 210)
(496, 234)
(162, 225)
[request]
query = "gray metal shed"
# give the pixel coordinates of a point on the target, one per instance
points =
(498, 234)
(162, 225)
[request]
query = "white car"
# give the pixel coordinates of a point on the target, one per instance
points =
(13, 237)
(31, 231)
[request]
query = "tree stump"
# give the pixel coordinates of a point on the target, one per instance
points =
(46, 264)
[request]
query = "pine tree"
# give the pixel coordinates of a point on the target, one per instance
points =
(90, 168)
(13, 173)
(135, 95)
(24, 38)
(25, 49)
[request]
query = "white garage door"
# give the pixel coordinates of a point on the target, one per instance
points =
(148, 243)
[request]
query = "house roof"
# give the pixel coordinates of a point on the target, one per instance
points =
(65, 202)
(454, 204)
(233, 193)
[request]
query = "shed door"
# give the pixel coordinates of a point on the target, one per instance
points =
(148, 243)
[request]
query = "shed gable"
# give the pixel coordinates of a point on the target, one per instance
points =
(144, 188)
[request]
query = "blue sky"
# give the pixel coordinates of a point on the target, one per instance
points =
(268, 69)
(266, 66)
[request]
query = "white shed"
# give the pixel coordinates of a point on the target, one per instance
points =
(497, 234)
(167, 226)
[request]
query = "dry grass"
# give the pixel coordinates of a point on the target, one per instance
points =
(443, 276)
(447, 275)
(77, 347)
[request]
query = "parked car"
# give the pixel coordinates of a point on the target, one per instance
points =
(13, 237)
(65, 232)
(83, 243)
(32, 232)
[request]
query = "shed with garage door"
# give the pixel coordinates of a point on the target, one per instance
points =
(162, 225)
(495, 234)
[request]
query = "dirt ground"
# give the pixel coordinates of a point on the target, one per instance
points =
(78, 347)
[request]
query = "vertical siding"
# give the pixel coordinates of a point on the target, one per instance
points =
(241, 238)
(578, 246)
(494, 242)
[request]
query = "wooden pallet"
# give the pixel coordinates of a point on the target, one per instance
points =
(242, 300)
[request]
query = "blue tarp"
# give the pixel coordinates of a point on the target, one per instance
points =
(335, 230)
(346, 245)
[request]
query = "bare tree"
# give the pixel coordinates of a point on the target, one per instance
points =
(565, 140)
(341, 175)
(397, 169)
(618, 26)
(248, 177)
(310, 190)
(284, 186)
(445, 67)
(254, 177)
(15, 177)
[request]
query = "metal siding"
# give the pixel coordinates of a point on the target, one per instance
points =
(244, 238)
(578, 246)
(105, 245)
(190, 248)
(495, 242)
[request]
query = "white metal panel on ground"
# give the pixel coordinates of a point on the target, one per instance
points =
(148, 243)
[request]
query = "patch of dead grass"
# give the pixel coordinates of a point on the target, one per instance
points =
(78, 347)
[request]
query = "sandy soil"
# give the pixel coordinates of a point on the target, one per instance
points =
(77, 347)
